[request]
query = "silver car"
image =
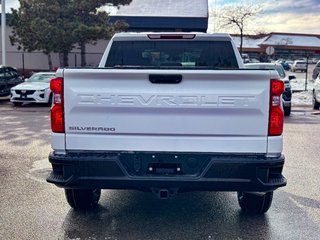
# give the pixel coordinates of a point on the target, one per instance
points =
(299, 65)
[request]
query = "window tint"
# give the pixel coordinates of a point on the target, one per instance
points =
(38, 77)
(9, 72)
(172, 54)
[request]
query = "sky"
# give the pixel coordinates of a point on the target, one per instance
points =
(296, 16)
(292, 16)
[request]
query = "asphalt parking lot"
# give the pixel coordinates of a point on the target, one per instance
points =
(30, 208)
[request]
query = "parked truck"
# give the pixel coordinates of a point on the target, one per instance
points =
(168, 113)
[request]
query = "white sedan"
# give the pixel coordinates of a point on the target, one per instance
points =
(36, 89)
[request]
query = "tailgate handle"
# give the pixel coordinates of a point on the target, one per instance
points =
(165, 79)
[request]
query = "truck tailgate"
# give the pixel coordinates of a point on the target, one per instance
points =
(208, 111)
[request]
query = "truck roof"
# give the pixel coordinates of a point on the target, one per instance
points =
(127, 36)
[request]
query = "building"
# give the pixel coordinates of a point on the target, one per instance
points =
(293, 46)
(165, 15)
(286, 45)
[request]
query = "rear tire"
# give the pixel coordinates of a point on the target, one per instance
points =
(252, 203)
(82, 198)
(287, 111)
(17, 104)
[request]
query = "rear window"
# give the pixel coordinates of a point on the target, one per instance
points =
(172, 54)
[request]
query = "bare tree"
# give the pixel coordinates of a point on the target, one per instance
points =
(257, 34)
(238, 15)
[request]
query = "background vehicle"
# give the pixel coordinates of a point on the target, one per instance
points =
(289, 64)
(36, 89)
(168, 112)
(8, 79)
(316, 70)
(316, 93)
(284, 64)
(286, 96)
(299, 65)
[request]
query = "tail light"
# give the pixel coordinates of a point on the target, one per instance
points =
(57, 110)
(276, 112)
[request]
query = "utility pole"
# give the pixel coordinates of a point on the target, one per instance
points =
(3, 31)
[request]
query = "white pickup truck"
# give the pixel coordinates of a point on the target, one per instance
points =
(167, 113)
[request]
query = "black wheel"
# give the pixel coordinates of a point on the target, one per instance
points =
(254, 203)
(83, 198)
(17, 104)
(287, 111)
(316, 105)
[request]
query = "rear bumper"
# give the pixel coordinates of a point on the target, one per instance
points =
(187, 172)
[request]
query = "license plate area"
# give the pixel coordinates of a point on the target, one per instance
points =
(165, 168)
(146, 164)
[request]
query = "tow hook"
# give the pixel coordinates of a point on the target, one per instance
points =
(165, 193)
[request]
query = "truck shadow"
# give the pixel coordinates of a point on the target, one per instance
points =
(136, 215)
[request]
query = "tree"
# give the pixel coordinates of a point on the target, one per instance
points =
(92, 24)
(237, 15)
(37, 25)
(56, 26)
(26, 34)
